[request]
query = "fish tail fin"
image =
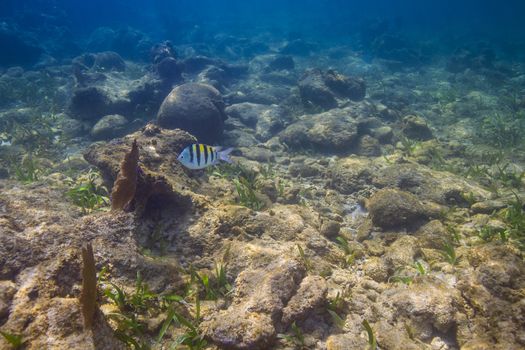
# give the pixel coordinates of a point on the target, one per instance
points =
(225, 155)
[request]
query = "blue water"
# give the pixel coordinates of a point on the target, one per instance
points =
(446, 24)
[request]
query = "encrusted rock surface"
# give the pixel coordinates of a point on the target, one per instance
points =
(391, 208)
(196, 108)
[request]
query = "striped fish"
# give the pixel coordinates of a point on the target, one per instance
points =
(200, 156)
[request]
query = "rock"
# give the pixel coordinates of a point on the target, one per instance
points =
(487, 207)
(279, 78)
(259, 154)
(415, 127)
(429, 306)
(349, 175)
(90, 103)
(383, 134)
(156, 146)
(375, 268)
(390, 336)
(332, 131)
(161, 51)
(427, 184)
(196, 108)
(368, 147)
(195, 64)
(111, 126)
(18, 115)
(254, 317)
(305, 169)
(330, 229)
(7, 291)
(401, 253)
(352, 88)
(432, 235)
(213, 76)
(314, 91)
(266, 120)
(108, 61)
(71, 127)
(310, 296)
(345, 342)
(322, 89)
(169, 70)
(390, 208)
(491, 285)
(281, 62)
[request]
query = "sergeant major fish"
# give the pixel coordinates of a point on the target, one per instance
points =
(200, 156)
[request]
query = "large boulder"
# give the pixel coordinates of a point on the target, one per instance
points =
(196, 108)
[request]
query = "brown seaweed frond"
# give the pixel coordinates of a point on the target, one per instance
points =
(88, 298)
(126, 183)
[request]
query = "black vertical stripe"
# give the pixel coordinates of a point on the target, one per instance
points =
(211, 153)
(191, 154)
(205, 155)
(198, 151)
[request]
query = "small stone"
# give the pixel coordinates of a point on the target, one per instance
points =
(415, 127)
(390, 208)
(487, 207)
(330, 229)
(169, 69)
(383, 134)
(109, 126)
(375, 268)
(310, 295)
(368, 147)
